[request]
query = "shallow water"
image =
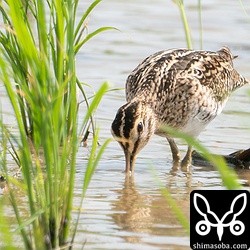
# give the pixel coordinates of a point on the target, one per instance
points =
(131, 213)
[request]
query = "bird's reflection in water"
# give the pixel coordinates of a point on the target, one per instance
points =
(179, 176)
(140, 212)
(133, 210)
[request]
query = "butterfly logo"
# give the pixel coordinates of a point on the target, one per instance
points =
(236, 227)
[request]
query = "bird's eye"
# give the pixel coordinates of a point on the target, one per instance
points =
(139, 127)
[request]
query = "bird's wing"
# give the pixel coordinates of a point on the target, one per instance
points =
(159, 71)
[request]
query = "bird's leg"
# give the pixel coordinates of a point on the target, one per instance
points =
(174, 150)
(188, 158)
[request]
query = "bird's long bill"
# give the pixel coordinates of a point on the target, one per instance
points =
(130, 161)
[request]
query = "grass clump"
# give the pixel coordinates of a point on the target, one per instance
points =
(39, 41)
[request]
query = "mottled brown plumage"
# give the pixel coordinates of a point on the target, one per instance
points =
(183, 89)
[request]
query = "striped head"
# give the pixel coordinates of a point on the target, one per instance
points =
(132, 127)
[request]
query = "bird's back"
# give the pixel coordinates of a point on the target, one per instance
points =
(181, 84)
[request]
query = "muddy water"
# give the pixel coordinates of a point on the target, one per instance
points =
(131, 213)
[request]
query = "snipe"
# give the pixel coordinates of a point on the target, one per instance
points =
(180, 88)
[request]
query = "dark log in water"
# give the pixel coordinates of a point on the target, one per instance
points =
(239, 159)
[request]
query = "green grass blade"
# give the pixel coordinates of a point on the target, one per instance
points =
(95, 102)
(82, 20)
(180, 4)
(93, 160)
(200, 23)
(89, 36)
